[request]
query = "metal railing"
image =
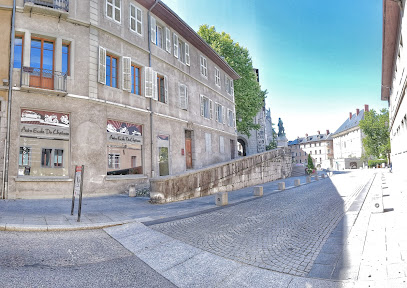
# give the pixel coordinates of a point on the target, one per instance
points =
(55, 4)
(43, 78)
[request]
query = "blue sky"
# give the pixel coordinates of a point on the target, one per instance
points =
(318, 59)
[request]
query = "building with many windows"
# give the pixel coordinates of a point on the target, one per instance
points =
(347, 140)
(319, 146)
(125, 88)
(394, 80)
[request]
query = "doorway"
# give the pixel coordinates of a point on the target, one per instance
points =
(188, 148)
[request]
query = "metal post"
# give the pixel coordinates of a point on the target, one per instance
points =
(80, 196)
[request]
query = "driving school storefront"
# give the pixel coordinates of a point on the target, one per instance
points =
(46, 144)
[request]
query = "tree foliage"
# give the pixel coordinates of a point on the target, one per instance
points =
(249, 97)
(310, 165)
(375, 127)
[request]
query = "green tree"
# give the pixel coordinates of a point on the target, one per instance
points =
(375, 127)
(249, 98)
(310, 165)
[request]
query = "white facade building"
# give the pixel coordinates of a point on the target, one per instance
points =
(394, 79)
(347, 142)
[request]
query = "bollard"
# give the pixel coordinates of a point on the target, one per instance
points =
(308, 179)
(132, 191)
(323, 176)
(221, 198)
(258, 191)
(316, 178)
(297, 182)
(281, 186)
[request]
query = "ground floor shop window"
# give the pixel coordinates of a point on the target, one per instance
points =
(44, 143)
(124, 148)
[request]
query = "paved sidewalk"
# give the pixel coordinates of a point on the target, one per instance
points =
(100, 212)
(364, 250)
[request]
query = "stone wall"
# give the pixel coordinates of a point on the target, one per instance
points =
(248, 171)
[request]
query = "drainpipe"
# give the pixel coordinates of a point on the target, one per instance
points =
(151, 99)
(4, 191)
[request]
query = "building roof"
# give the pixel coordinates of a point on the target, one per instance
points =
(171, 18)
(311, 139)
(350, 123)
(391, 20)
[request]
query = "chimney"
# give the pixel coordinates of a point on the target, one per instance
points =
(306, 134)
(319, 132)
(350, 115)
(366, 108)
(357, 112)
(327, 132)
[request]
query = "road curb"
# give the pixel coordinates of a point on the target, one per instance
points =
(50, 228)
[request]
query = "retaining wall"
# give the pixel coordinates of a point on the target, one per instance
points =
(243, 172)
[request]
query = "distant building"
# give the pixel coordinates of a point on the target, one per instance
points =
(394, 63)
(319, 146)
(347, 140)
(256, 143)
(270, 133)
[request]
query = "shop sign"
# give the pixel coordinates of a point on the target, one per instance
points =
(128, 139)
(41, 131)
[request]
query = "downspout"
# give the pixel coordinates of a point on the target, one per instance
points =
(151, 99)
(4, 191)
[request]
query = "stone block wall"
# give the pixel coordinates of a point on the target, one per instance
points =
(228, 176)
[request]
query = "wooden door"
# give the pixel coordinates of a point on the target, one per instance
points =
(188, 152)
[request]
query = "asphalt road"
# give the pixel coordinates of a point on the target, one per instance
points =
(71, 259)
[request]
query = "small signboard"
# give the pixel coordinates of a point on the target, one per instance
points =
(77, 189)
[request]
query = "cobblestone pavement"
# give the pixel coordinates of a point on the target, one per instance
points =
(283, 232)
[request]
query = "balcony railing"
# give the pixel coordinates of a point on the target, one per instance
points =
(54, 4)
(43, 78)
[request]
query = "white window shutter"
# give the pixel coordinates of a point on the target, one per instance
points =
(202, 106)
(186, 97)
(153, 29)
(228, 117)
(102, 65)
(149, 82)
(211, 109)
(234, 121)
(187, 58)
(155, 88)
(232, 89)
(175, 45)
(183, 100)
(224, 114)
(126, 64)
(167, 40)
(216, 112)
(166, 89)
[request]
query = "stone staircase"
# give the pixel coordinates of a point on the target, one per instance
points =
(297, 171)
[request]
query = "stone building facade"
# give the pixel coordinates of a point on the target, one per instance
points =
(125, 88)
(319, 146)
(6, 7)
(394, 80)
(347, 140)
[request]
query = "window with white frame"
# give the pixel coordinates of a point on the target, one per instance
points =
(221, 144)
(113, 10)
(183, 97)
(217, 77)
(231, 118)
(206, 107)
(228, 85)
(167, 40)
(136, 19)
(113, 161)
(219, 113)
(159, 36)
(204, 66)
(184, 52)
